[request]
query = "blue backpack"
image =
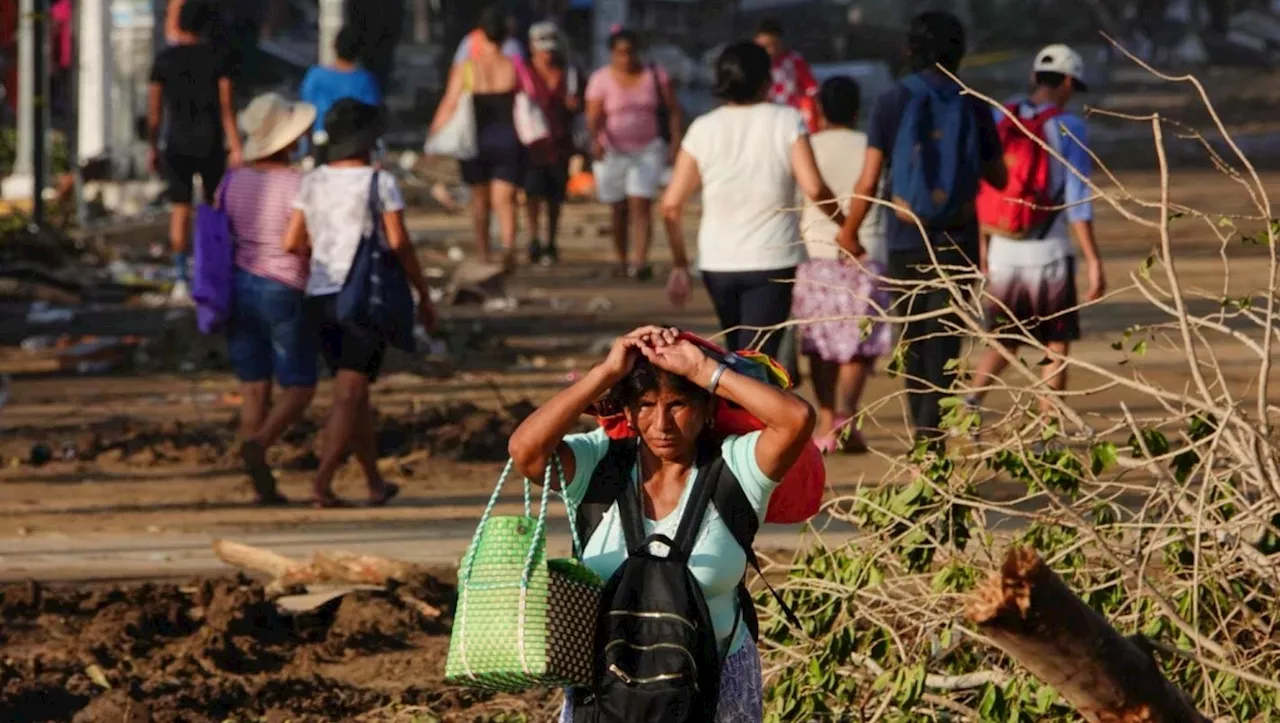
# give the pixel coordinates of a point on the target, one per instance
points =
(936, 163)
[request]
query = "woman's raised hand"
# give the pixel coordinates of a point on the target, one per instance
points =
(623, 354)
(677, 356)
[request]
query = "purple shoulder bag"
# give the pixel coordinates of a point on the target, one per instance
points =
(213, 278)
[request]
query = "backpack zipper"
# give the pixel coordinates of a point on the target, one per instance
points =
(664, 677)
(654, 616)
(629, 681)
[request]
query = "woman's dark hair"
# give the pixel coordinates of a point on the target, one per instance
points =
(196, 17)
(348, 45)
(645, 378)
(743, 70)
(624, 36)
(493, 23)
(841, 98)
(935, 38)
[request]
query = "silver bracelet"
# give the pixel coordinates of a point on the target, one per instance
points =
(715, 377)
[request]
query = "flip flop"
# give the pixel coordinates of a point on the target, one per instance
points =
(389, 492)
(330, 503)
(254, 457)
(275, 499)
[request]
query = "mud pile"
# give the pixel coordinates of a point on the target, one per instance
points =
(457, 431)
(219, 650)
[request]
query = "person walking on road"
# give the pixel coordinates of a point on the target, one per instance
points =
(839, 297)
(793, 81)
(331, 216)
(191, 94)
(323, 86)
(748, 156)
(918, 110)
(636, 126)
(268, 338)
(554, 84)
(500, 168)
(1032, 280)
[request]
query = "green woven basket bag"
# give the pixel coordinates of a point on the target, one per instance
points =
(522, 621)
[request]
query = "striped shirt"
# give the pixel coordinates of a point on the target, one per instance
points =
(260, 203)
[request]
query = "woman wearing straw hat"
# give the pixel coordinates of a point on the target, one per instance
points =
(268, 338)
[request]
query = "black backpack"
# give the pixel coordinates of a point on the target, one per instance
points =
(657, 660)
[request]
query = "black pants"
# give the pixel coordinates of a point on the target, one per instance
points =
(931, 343)
(752, 299)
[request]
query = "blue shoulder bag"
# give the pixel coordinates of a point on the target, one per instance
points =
(376, 298)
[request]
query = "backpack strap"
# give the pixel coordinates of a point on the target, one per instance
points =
(711, 469)
(1037, 126)
(738, 515)
(610, 480)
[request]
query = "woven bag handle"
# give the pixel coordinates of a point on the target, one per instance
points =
(540, 532)
(488, 511)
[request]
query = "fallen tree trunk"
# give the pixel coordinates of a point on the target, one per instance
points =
(1027, 611)
(323, 567)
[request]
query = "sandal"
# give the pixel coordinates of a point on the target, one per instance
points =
(389, 492)
(274, 499)
(254, 457)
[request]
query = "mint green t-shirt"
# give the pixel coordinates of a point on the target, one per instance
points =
(717, 562)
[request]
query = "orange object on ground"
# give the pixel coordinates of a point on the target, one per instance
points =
(582, 185)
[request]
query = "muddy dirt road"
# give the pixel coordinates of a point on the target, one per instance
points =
(130, 476)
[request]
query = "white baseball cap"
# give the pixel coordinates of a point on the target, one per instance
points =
(1059, 58)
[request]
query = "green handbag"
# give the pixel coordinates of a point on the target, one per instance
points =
(522, 621)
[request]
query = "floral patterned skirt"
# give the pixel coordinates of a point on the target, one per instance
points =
(838, 304)
(741, 689)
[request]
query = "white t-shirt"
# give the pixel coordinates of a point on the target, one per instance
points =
(744, 158)
(335, 202)
(841, 154)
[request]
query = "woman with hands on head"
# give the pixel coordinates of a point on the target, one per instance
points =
(668, 388)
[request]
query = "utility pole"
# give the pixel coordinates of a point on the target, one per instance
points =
(93, 68)
(21, 182)
(330, 23)
(39, 109)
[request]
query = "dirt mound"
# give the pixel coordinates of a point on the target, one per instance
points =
(459, 431)
(219, 649)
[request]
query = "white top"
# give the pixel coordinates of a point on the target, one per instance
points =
(335, 202)
(748, 191)
(841, 154)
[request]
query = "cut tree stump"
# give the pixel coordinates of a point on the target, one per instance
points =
(1028, 612)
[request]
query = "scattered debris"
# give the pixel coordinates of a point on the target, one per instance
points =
(476, 283)
(41, 312)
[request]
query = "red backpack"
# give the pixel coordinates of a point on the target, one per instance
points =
(799, 496)
(1023, 208)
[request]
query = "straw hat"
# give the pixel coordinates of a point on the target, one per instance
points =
(271, 124)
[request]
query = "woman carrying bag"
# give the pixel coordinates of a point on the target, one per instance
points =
(343, 206)
(668, 387)
(487, 92)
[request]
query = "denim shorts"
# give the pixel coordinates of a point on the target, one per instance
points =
(269, 335)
